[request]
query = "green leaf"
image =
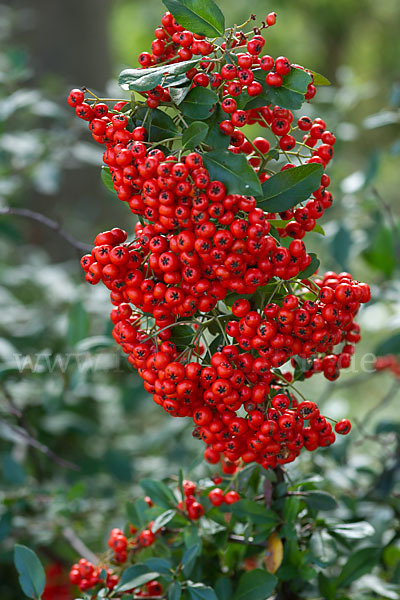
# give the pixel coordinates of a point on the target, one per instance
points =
(327, 586)
(320, 500)
(389, 346)
(312, 267)
(199, 591)
(287, 188)
(137, 512)
(353, 531)
(161, 124)
(143, 80)
(255, 585)
(223, 588)
(199, 104)
(189, 559)
(132, 574)
(161, 565)
(359, 563)
(78, 324)
(194, 134)
(340, 245)
(318, 229)
(175, 591)
(182, 336)
(13, 470)
(215, 138)
(199, 16)
(381, 254)
(388, 427)
(291, 508)
(234, 171)
(256, 513)
(289, 95)
(106, 178)
(319, 79)
(178, 94)
(159, 493)
(32, 578)
(163, 519)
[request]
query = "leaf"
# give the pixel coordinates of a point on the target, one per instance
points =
(319, 79)
(143, 80)
(178, 94)
(215, 138)
(381, 253)
(289, 95)
(389, 346)
(194, 134)
(199, 591)
(161, 124)
(182, 336)
(234, 171)
(161, 565)
(256, 513)
(132, 574)
(199, 104)
(32, 578)
(380, 587)
(162, 520)
(159, 493)
(189, 559)
(340, 245)
(106, 178)
(273, 558)
(353, 531)
(318, 229)
(320, 500)
(255, 585)
(223, 588)
(175, 591)
(388, 427)
(78, 324)
(202, 17)
(326, 586)
(136, 512)
(312, 267)
(287, 188)
(359, 563)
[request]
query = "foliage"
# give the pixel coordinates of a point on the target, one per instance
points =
(85, 414)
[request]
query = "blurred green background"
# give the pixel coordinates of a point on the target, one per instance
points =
(66, 394)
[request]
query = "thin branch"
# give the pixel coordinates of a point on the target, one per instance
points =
(35, 216)
(31, 441)
(78, 545)
(239, 539)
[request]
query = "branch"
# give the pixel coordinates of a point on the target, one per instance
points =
(31, 441)
(35, 216)
(78, 545)
(239, 539)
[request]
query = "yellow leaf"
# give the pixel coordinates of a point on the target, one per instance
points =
(274, 556)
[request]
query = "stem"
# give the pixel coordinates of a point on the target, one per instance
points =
(35, 216)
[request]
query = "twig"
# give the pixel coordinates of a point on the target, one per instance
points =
(78, 545)
(239, 539)
(35, 216)
(22, 433)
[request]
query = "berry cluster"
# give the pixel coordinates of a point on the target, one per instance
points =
(389, 362)
(210, 300)
(128, 546)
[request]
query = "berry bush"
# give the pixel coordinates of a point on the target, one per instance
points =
(223, 312)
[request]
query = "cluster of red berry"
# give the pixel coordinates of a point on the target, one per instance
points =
(199, 248)
(389, 362)
(86, 576)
